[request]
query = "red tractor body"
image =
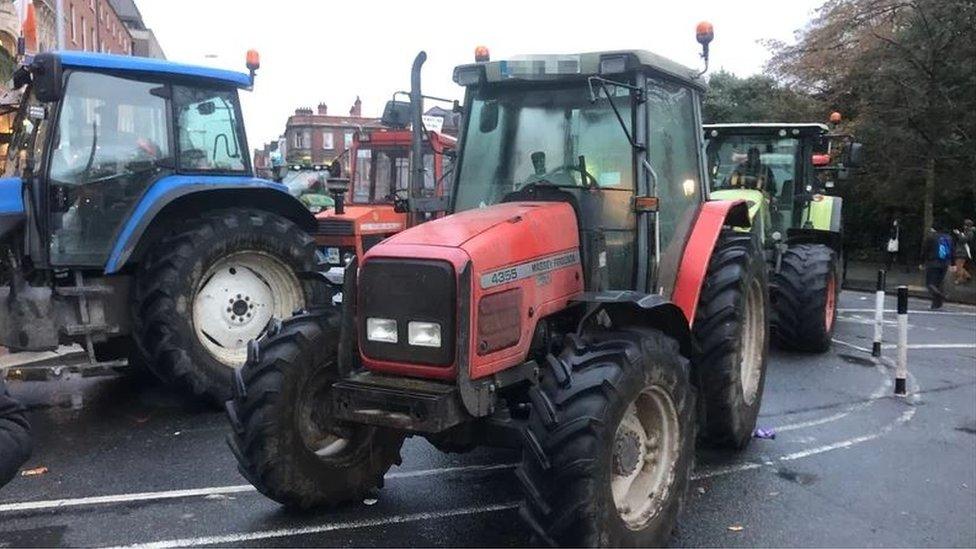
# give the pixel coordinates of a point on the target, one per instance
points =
(379, 169)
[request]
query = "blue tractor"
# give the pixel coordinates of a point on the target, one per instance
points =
(131, 222)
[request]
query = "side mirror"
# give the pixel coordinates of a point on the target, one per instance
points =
(853, 155)
(206, 108)
(396, 114)
(488, 119)
(47, 77)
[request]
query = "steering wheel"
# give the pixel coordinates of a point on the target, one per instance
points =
(588, 180)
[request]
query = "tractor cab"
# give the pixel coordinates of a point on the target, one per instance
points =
(308, 183)
(379, 173)
(607, 133)
(786, 172)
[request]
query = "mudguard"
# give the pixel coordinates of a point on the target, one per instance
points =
(698, 251)
(639, 309)
(12, 212)
(272, 197)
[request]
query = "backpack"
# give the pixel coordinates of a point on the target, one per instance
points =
(944, 250)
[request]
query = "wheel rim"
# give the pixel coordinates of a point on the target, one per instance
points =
(316, 426)
(237, 297)
(645, 452)
(753, 342)
(831, 303)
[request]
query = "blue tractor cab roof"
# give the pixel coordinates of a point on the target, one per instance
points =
(104, 61)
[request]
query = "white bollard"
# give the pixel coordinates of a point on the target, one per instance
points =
(878, 314)
(901, 368)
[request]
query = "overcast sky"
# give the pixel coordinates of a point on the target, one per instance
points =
(332, 51)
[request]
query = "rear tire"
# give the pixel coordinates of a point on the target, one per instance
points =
(285, 441)
(732, 330)
(609, 450)
(804, 294)
(194, 311)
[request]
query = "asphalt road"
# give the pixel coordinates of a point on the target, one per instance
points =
(851, 465)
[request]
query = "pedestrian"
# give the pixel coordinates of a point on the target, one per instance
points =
(15, 441)
(891, 248)
(936, 256)
(965, 240)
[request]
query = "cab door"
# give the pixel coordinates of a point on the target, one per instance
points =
(675, 149)
(112, 140)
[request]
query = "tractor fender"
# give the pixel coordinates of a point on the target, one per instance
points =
(184, 195)
(712, 216)
(632, 308)
(12, 210)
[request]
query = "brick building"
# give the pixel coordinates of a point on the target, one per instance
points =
(144, 43)
(316, 137)
(93, 25)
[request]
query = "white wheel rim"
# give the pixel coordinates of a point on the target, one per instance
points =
(645, 452)
(237, 297)
(752, 343)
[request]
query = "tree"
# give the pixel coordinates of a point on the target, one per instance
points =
(903, 72)
(756, 98)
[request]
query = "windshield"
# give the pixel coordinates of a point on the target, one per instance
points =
(381, 172)
(305, 181)
(761, 162)
(209, 129)
(548, 135)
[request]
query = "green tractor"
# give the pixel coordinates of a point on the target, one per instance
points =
(785, 173)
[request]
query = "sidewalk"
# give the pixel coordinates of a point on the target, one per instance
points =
(864, 275)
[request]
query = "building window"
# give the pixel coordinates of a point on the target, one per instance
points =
(74, 28)
(94, 40)
(348, 139)
(327, 140)
(299, 140)
(84, 35)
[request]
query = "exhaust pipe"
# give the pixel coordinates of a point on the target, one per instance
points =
(416, 180)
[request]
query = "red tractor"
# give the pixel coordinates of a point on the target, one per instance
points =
(379, 173)
(585, 303)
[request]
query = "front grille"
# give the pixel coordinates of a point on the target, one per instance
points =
(408, 290)
(335, 227)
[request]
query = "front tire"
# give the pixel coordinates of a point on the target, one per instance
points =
(610, 446)
(284, 438)
(804, 295)
(732, 331)
(204, 292)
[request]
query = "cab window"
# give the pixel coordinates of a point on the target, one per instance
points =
(210, 136)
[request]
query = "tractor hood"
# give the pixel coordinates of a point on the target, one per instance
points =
(453, 231)
(362, 219)
(12, 212)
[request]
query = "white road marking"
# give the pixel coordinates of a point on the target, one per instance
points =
(933, 346)
(846, 443)
(878, 394)
(213, 490)
(910, 312)
(237, 539)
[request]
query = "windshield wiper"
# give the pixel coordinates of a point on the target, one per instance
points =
(638, 95)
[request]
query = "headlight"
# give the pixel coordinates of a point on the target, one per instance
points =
(381, 329)
(424, 334)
